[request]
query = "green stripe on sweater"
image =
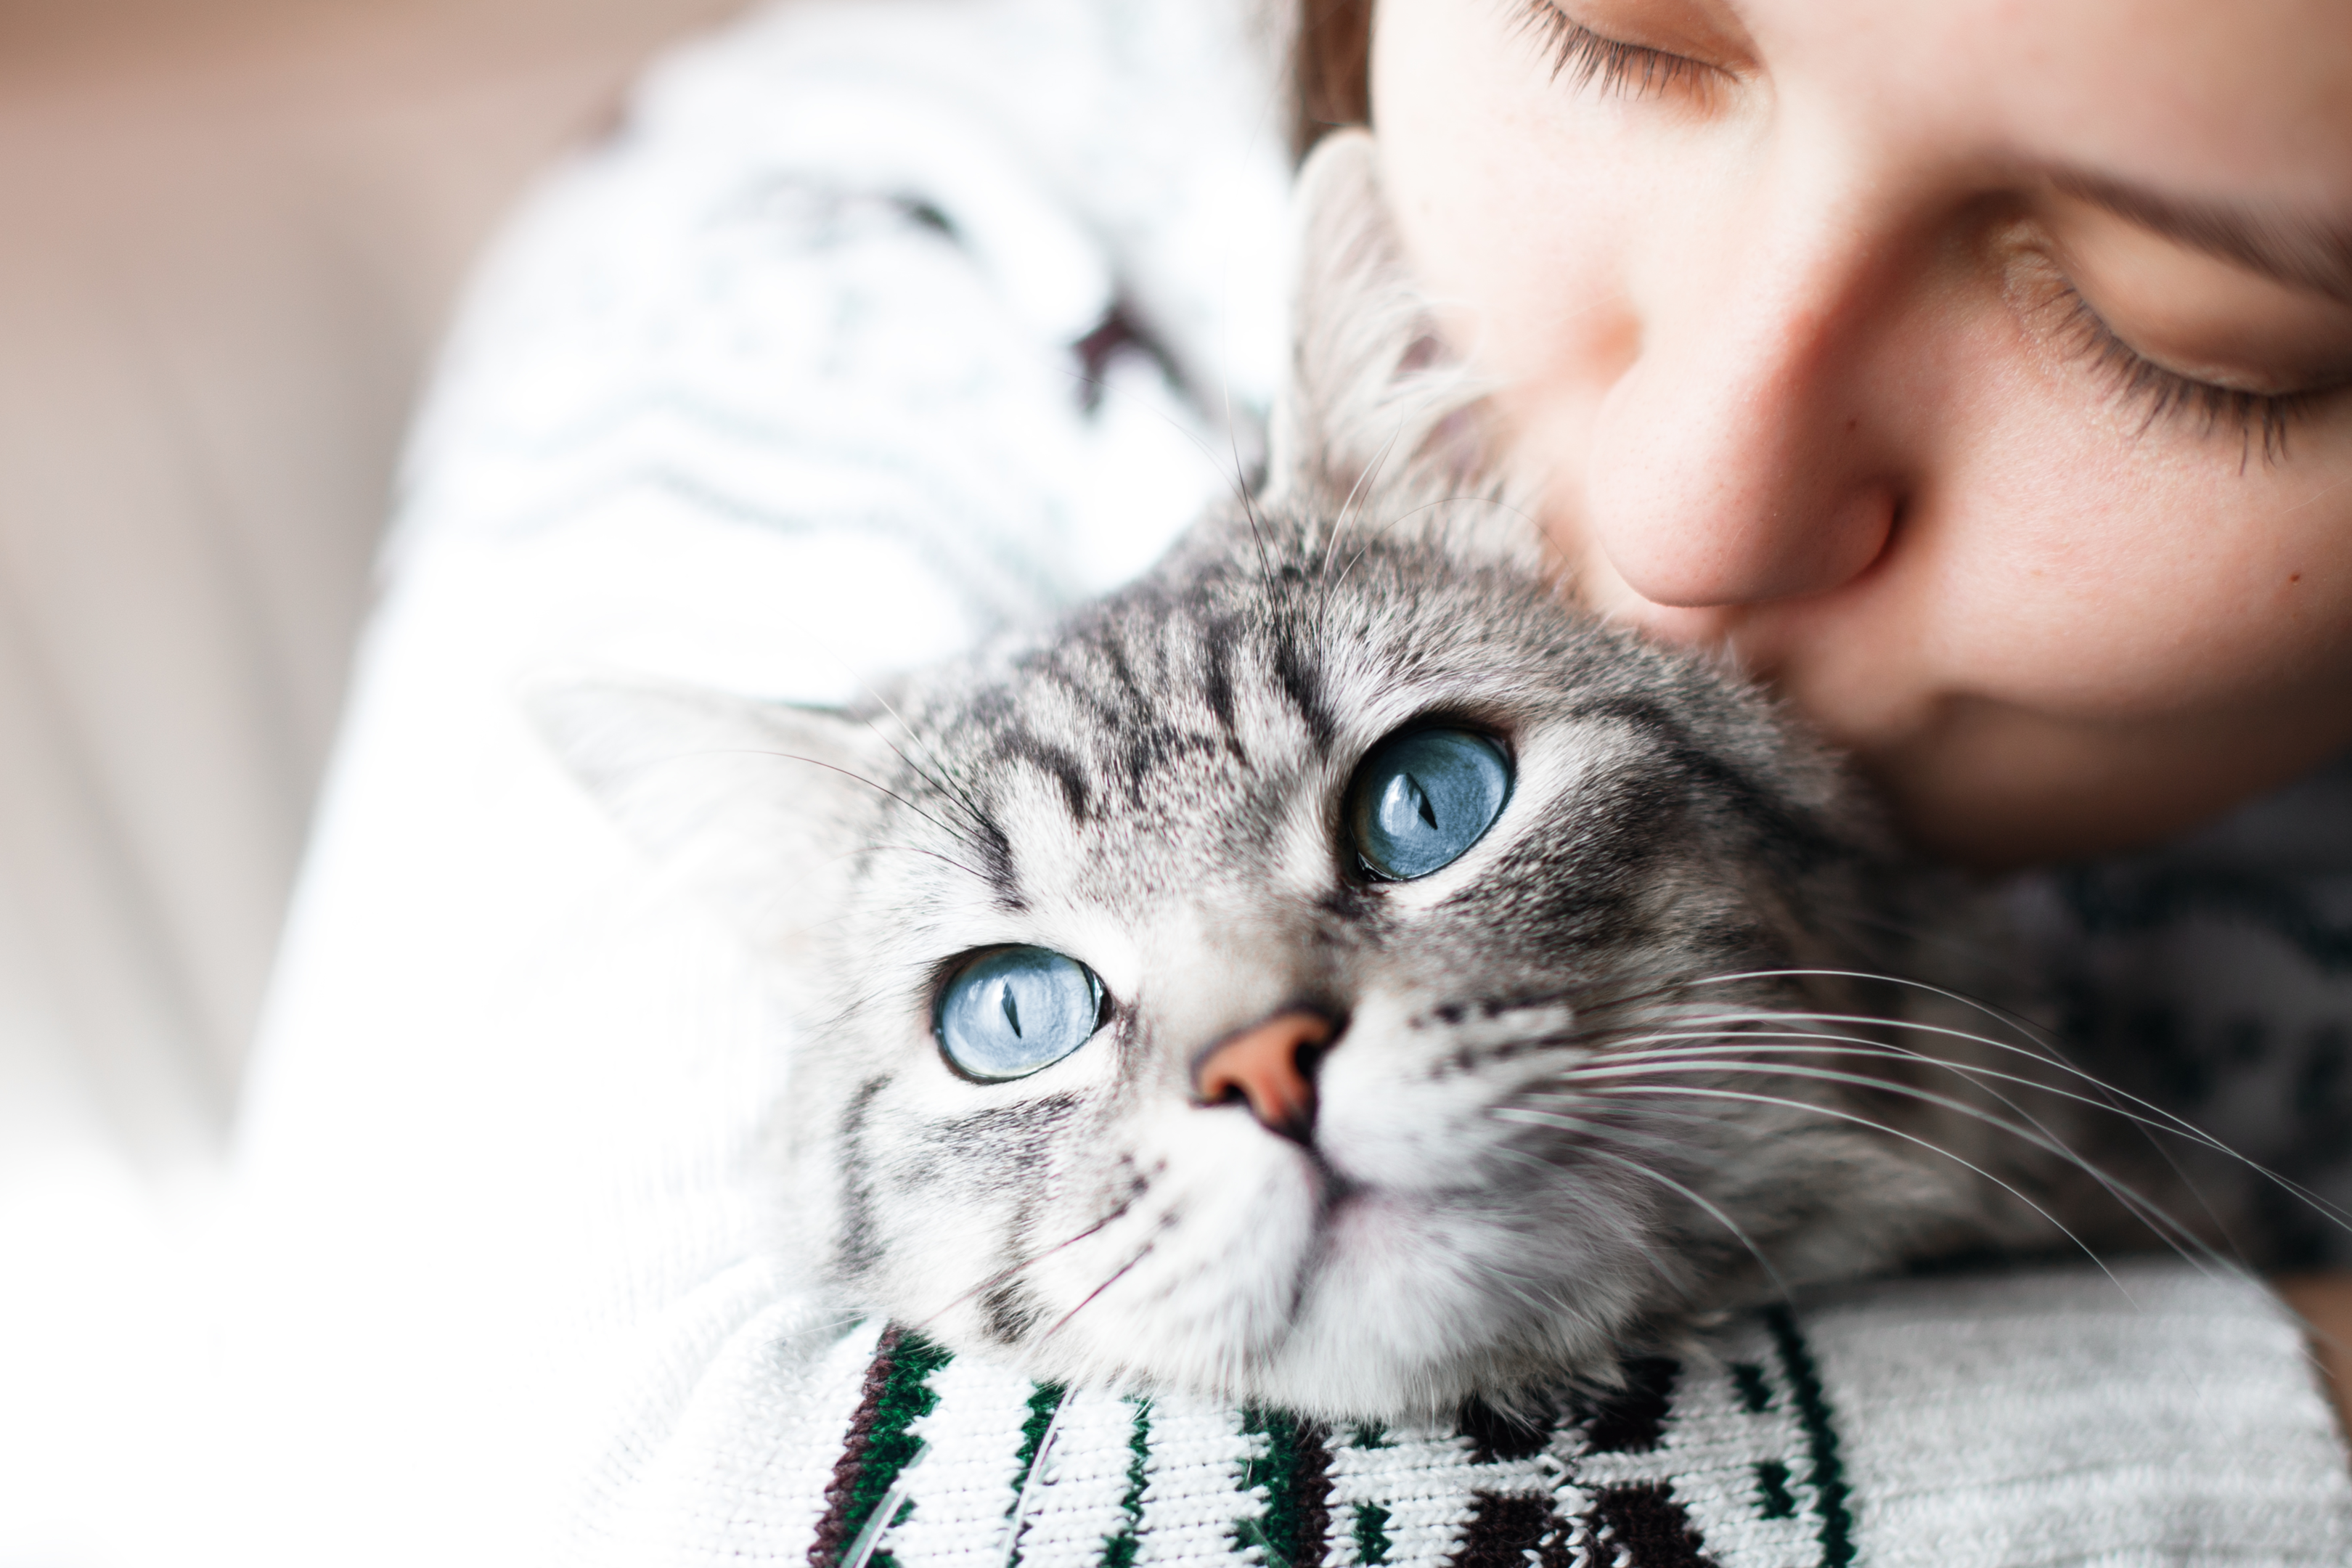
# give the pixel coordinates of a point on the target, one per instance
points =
(1828, 1472)
(906, 1396)
(1119, 1549)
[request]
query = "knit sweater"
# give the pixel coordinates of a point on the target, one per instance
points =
(2054, 1417)
(881, 324)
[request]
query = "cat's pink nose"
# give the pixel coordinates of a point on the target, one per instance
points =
(1268, 1065)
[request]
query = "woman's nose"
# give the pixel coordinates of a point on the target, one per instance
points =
(1746, 453)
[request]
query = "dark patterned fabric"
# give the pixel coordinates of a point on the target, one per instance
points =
(2213, 978)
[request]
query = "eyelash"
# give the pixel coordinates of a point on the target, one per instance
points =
(2167, 395)
(1587, 58)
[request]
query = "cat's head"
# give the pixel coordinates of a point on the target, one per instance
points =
(1314, 974)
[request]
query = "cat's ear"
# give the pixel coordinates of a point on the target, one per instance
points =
(1374, 401)
(756, 807)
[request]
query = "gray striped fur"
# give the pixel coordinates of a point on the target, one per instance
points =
(1154, 787)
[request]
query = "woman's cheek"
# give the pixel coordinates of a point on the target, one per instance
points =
(2095, 576)
(2173, 578)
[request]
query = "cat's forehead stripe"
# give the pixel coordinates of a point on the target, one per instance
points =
(1086, 718)
(996, 855)
(1300, 676)
(1058, 762)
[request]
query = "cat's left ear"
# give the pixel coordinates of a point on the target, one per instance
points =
(1374, 403)
(755, 806)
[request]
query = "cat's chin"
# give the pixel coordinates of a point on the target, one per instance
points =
(1389, 1306)
(1415, 1309)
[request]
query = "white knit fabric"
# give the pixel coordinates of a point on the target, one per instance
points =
(2153, 1415)
(780, 388)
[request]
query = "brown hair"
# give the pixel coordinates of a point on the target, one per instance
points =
(1329, 68)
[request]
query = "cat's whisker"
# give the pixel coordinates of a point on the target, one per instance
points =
(2049, 1052)
(1117, 1212)
(2107, 1092)
(1722, 1059)
(1711, 1208)
(1249, 511)
(2328, 1210)
(1615, 1221)
(2002, 1015)
(917, 849)
(1717, 1053)
(1117, 1275)
(1217, 465)
(937, 774)
(1352, 507)
(1399, 519)
(1356, 505)
(1597, 1128)
(1746, 1043)
(1369, 540)
(2149, 1117)
(2149, 1216)
(1749, 1042)
(855, 777)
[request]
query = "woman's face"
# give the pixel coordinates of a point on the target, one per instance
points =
(1975, 370)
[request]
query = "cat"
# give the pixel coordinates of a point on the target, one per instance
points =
(1334, 972)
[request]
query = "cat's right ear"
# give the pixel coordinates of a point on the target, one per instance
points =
(756, 807)
(1374, 403)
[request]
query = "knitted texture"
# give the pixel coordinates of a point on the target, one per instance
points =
(897, 1393)
(2155, 1417)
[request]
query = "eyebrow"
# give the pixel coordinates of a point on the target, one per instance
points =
(2298, 251)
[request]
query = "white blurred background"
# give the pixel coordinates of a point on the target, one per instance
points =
(230, 232)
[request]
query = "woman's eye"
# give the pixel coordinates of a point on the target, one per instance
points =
(2164, 394)
(1014, 1010)
(1424, 797)
(1584, 57)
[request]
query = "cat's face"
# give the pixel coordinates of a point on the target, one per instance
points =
(1445, 1171)
(1313, 975)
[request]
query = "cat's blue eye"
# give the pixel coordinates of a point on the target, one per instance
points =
(1011, 1012)
(1423, 798)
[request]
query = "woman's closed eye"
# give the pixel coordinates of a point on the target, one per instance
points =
(1589, 58)
(2181, 336)
(2164, 394)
